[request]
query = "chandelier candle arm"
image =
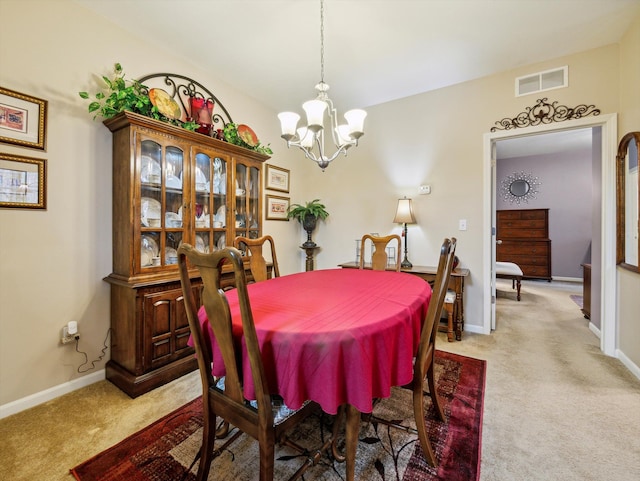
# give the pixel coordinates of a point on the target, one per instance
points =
(308, 137)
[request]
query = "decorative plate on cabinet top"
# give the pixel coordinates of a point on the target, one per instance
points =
(165, 103)
(248, 136)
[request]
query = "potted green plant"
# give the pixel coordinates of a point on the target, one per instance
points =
(308, 216)
(128, 95)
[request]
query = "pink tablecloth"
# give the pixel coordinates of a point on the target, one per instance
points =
(335, 336)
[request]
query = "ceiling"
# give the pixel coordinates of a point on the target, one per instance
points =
(375, 50)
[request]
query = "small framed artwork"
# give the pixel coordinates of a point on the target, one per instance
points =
(22, 119)
(277, 178)
(22, 182)
(277, 207)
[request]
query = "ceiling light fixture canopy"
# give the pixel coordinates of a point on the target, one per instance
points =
(313, 134)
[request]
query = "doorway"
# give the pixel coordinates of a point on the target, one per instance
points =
(605, 239)
(560, 171)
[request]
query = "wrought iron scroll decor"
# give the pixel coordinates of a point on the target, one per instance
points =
(545, 113)
(181, 88)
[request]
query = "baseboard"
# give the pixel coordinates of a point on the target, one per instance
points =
(629, 364)
(568, 279)
(594, 329)
(18, 405)
(473, 328)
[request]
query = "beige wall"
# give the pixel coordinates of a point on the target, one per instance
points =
(629, 282)
(52, 262)
(436, 138)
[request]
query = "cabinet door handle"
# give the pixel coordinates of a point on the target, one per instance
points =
(498, 242)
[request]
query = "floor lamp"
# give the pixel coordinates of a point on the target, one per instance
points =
(404, 215)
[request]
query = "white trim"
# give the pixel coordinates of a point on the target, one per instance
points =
(567, 279)
(18, 405)
(629, 364)
(594, 329)
(608, 291)
(473, 328)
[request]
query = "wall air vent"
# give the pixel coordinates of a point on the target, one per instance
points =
(541, 81)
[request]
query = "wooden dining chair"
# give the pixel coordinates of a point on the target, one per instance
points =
(257, 262)
(379, 254)
(423, 365)
(264, 419)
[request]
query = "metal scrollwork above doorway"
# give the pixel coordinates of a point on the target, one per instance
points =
(544, 112)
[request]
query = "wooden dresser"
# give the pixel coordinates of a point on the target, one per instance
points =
(523, 238)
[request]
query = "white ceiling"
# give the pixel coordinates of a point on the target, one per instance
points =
(375, 50)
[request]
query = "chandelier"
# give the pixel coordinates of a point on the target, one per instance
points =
(311, 138)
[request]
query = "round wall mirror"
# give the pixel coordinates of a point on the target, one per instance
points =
(520, 187)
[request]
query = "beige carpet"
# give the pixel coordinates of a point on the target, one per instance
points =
(556, 408)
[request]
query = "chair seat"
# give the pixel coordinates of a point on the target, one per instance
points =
(450, 297)
(281, 412)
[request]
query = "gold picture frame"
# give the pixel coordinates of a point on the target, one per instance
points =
(22, 182)
(23, 119)
(277, 207)
(277, 178)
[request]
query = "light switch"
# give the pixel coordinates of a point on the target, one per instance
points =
(425, 189)
(462, 224)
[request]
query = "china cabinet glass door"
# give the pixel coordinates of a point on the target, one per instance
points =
(247, 186)
(161, 202)
(210, 211)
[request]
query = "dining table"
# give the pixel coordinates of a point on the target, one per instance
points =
(339, 337)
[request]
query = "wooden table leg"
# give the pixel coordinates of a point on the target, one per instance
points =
(459, 316)
(351, 440)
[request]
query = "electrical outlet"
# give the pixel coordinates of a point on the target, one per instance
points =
(68, 338)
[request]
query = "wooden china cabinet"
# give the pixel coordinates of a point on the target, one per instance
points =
(169, 186)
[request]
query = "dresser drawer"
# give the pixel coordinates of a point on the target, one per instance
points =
(536, 271)
(540, 214)
(523, 260)
(523, 248)
(521, 233)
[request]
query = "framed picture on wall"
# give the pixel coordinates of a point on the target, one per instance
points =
(22, 182)
(277, 207)
(277, 178)
(22, 119)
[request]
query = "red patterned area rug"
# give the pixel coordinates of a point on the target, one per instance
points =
(164, 450)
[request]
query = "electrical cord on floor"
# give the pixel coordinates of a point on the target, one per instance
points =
(86, 357)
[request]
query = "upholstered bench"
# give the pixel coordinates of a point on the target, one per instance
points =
(509, 270)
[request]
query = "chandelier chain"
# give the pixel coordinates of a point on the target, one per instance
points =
(322, 41)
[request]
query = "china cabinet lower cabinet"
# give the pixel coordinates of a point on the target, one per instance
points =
(169, 186)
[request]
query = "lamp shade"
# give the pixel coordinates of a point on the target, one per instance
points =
(404, 213)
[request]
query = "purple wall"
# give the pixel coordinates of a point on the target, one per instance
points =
(566, 190)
